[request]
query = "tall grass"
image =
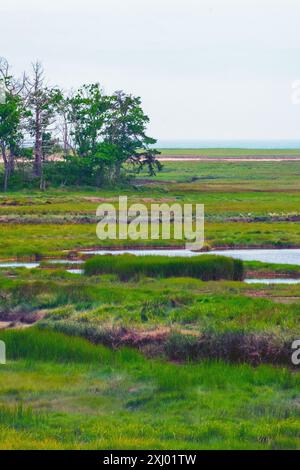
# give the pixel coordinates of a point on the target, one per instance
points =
(37, 345)
(204, 267)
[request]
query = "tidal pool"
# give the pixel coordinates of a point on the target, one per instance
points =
(272, 281)
(279, 256)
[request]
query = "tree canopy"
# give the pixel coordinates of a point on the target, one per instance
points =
(71, 137)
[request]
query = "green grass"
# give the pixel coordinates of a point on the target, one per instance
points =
(103, 303)
(246, 204)
(205, 267)
(229, 152)
(256, 268)
(188, 177)
(63, 393)
(31, 240)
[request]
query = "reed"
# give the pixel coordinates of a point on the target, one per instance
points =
(204, 267)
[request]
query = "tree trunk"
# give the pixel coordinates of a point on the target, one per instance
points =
(65, 136)
(11, 160)
(38, 147)
(6, 168)
(118, 171)
(6, 177)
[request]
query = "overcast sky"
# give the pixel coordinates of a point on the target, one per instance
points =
(205, 69)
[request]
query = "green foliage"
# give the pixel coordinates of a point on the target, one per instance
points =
(10, 117)
(87, 112)
(11, 112)
(108, 131)
(126, 131)
(97, 135)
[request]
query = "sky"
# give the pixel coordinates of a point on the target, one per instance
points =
(205, 69)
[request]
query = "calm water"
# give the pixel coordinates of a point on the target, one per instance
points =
(272, 281)
(65, 261)
(16, 264)
(285, 256)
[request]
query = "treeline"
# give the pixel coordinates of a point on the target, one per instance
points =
(81, 137)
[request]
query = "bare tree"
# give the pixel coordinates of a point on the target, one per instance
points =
(65, 126)
(36, 101)
(41, 101)
(13, 85)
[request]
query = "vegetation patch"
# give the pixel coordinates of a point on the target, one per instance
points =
(204, 267)
(259, 270)
(185, 346)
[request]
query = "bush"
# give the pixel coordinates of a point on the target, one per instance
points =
(204, 267)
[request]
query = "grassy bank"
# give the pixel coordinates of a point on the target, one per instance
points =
(257, 269)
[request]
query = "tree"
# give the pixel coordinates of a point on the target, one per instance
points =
(126, 129)
(87, 114)
(42, 103)
(99, 134)
(10, 134)
(11, 113)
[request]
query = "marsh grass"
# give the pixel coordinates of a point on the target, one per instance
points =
(93, 398)
(237, 346)
(60, 391)
(204, 267)
(246, 204)
(37, 345)
(256, 267)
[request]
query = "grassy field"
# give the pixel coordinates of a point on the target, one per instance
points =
(246, 204)
(150, 361)
(148, 313)
(230, 152)
(62, 393)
